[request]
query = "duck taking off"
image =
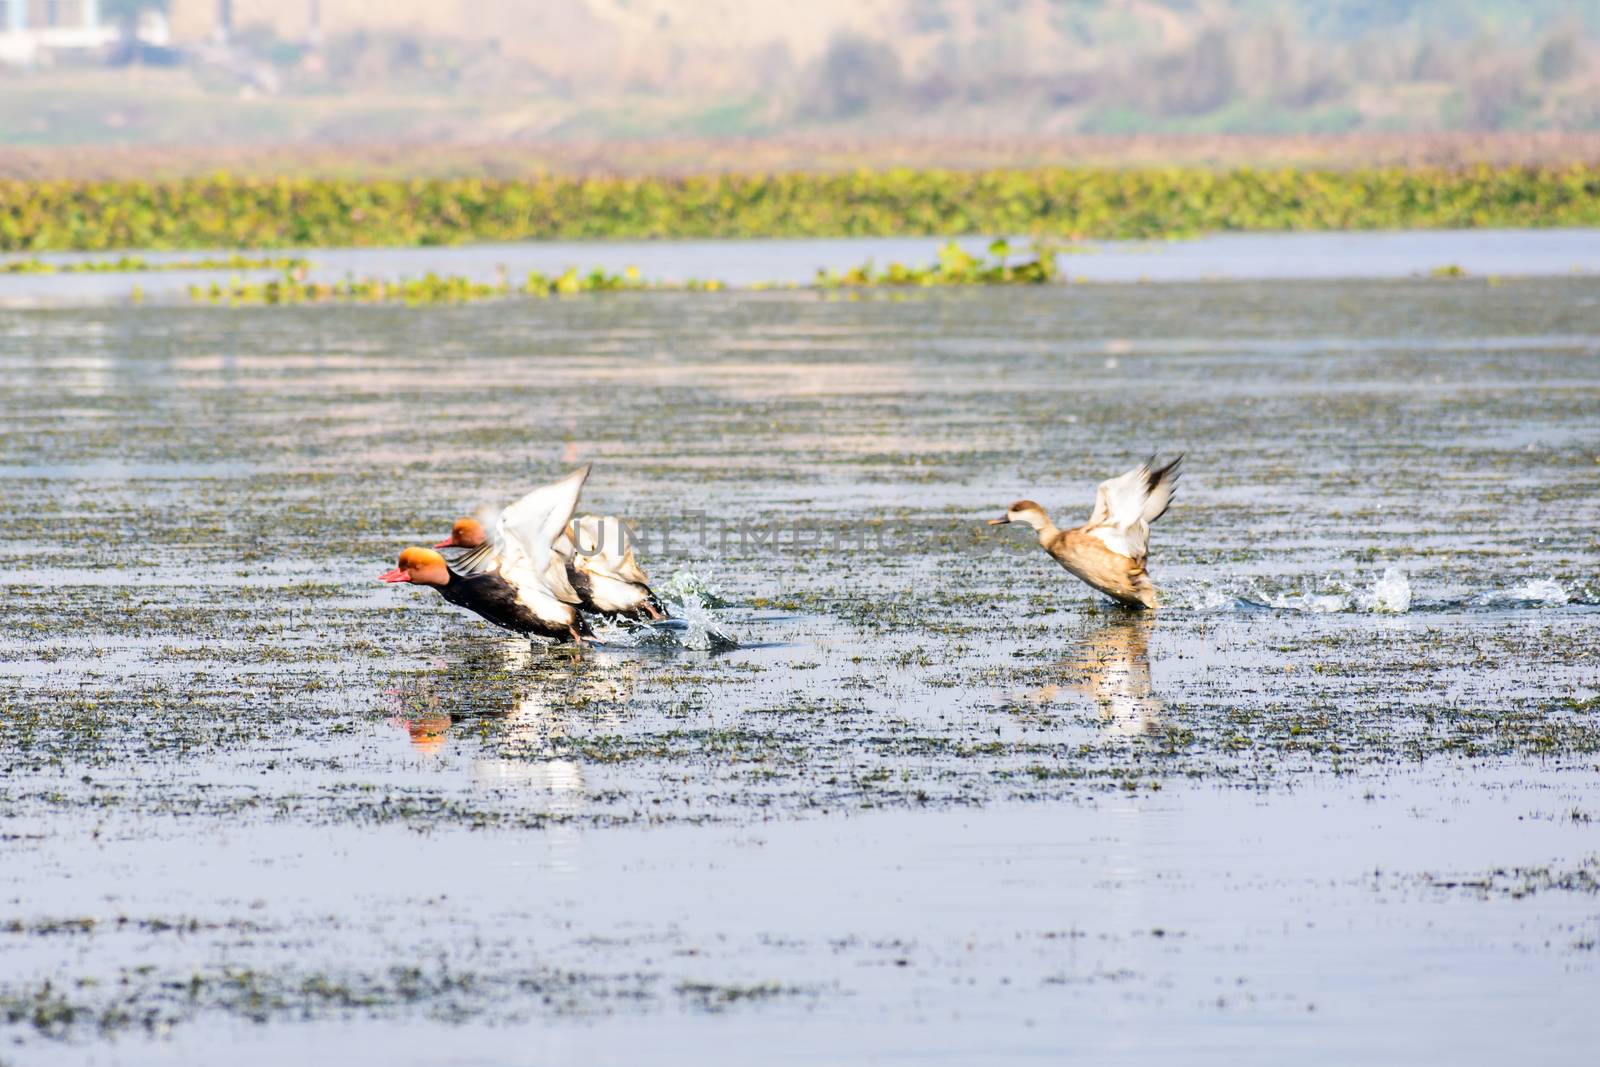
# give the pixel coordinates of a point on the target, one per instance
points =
(516, 578)
(487, 595)
(1108, 552)
(600, 565)
(603, 569)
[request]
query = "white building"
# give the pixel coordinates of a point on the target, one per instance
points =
(31, 27)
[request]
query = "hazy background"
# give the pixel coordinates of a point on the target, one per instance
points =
(332, 71)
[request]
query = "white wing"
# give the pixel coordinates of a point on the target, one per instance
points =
(535, 523)
(603, 548)
(1124, 507)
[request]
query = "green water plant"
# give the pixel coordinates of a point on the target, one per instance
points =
(135, 264)
(292, 287)
(1151, 202)
(955, 266)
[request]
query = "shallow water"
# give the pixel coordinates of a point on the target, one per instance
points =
(1336, 800)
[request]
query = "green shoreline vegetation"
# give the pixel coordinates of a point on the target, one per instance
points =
(136, 264)
(431, 288)
(1065, 202)
(955, 266)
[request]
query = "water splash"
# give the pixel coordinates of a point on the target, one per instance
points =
(704, 632)
(625, 633)
(1330, 598)
(1200, 596)
(1537, 592)
(690, 625)
(1390, 593)
(683, 585)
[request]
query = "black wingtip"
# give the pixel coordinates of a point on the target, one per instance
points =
(1156, 475)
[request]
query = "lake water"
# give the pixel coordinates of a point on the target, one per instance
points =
(1335, 801)
(1238, 257)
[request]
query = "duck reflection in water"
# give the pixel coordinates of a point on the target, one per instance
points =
(1111, 665)
(518, 732)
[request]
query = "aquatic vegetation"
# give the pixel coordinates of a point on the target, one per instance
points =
(601, 281)
(290, 289)
(955, 266)
(431, 288)
(244, 212)
(135, 264)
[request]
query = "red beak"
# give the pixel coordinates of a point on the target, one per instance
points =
(396, 575)
(448, 542)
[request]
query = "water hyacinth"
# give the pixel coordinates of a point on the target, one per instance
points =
(224, 211)
(431, 288)
(135, 264)
(956, 266)
(293, 289)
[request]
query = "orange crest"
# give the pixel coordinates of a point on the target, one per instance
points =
(468, 533)
(416, 559)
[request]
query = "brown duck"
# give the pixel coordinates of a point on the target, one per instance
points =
(1109, 551)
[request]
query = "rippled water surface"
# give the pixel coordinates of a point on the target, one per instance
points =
(1336, 801)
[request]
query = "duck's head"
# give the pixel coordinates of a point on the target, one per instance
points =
(1024, 511)
(420, 566)
(464, 533)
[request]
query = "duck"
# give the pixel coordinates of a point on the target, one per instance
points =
(1109, 551)
(516, 579)
(607, 583)
(486, 594)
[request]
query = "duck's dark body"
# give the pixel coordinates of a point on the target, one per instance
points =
(583, 585)
(495, 599)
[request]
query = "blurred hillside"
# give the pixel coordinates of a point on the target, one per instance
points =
(242, 71)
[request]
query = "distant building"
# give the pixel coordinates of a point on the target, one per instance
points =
(31, 29)
(288, 20)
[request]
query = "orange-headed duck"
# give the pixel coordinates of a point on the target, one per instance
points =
(600, 565)
(530, 592)
(485, 593)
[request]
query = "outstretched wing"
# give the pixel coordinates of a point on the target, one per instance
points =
(1126, 506)
(604, 548)
(537, 521)
(1118, 501)
(1163, 486)
(628, 569)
